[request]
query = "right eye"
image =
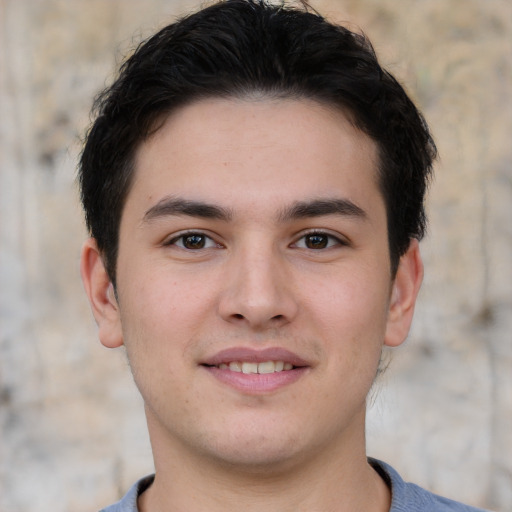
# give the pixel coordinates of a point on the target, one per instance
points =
(193, 241)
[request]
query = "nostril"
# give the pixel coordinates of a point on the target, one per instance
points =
(277, 317)
(238, 316)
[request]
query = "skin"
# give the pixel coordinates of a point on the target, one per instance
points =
(253, 277)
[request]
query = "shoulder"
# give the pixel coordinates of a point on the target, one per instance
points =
(407, 497)
(129, 502)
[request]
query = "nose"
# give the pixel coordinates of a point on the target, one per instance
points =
(257, 290)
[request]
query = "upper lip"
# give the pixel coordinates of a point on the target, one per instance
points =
(250, 355)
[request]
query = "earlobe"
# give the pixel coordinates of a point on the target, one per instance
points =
(100, 292)
(405, 290)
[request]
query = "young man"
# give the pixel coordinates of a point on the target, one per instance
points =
(253, 184)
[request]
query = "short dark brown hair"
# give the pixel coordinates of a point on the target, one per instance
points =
(237, 48)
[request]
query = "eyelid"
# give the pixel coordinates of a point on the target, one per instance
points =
(339, 239)
(175, 237)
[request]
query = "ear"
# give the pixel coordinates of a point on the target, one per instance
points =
(101, 295)
(404, 292)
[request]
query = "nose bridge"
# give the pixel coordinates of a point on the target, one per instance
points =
(257, 289)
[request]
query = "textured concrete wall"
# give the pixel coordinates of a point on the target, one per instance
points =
(71, 423)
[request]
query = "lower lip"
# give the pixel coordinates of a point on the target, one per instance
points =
(256, 383)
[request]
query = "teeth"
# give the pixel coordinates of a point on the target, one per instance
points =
(235, 367)
(250, 367)
(267, 367)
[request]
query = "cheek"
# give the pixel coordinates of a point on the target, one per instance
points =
(352, 315)
(351, 304)
(161, 315)
(159, 297)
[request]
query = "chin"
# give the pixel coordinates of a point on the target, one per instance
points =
(262, 461)
(256, 452)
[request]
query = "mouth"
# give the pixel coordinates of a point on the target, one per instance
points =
(256, 371)
(248, 367)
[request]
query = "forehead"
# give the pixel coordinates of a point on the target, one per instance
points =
(239, 151)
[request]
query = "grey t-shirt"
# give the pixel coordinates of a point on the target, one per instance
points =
(406, 497)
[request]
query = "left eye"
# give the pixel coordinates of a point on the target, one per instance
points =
(317, 241)
(193, 241)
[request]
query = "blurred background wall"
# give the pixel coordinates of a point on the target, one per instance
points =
(72, 431)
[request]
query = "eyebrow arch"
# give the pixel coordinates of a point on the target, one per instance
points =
(177, 206)
(320, 207)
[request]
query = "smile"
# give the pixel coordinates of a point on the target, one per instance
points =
(253, 367)
(256, 371)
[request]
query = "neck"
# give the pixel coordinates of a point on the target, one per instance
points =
(336, 480)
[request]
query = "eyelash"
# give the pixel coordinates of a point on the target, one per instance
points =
(331, 240)
(189, 234)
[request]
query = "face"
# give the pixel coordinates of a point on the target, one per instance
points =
(253, 282)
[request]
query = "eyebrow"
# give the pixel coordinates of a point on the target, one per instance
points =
(320, 207)
(169, 206)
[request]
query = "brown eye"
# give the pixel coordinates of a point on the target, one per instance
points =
(316, 241)
(194, 241)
